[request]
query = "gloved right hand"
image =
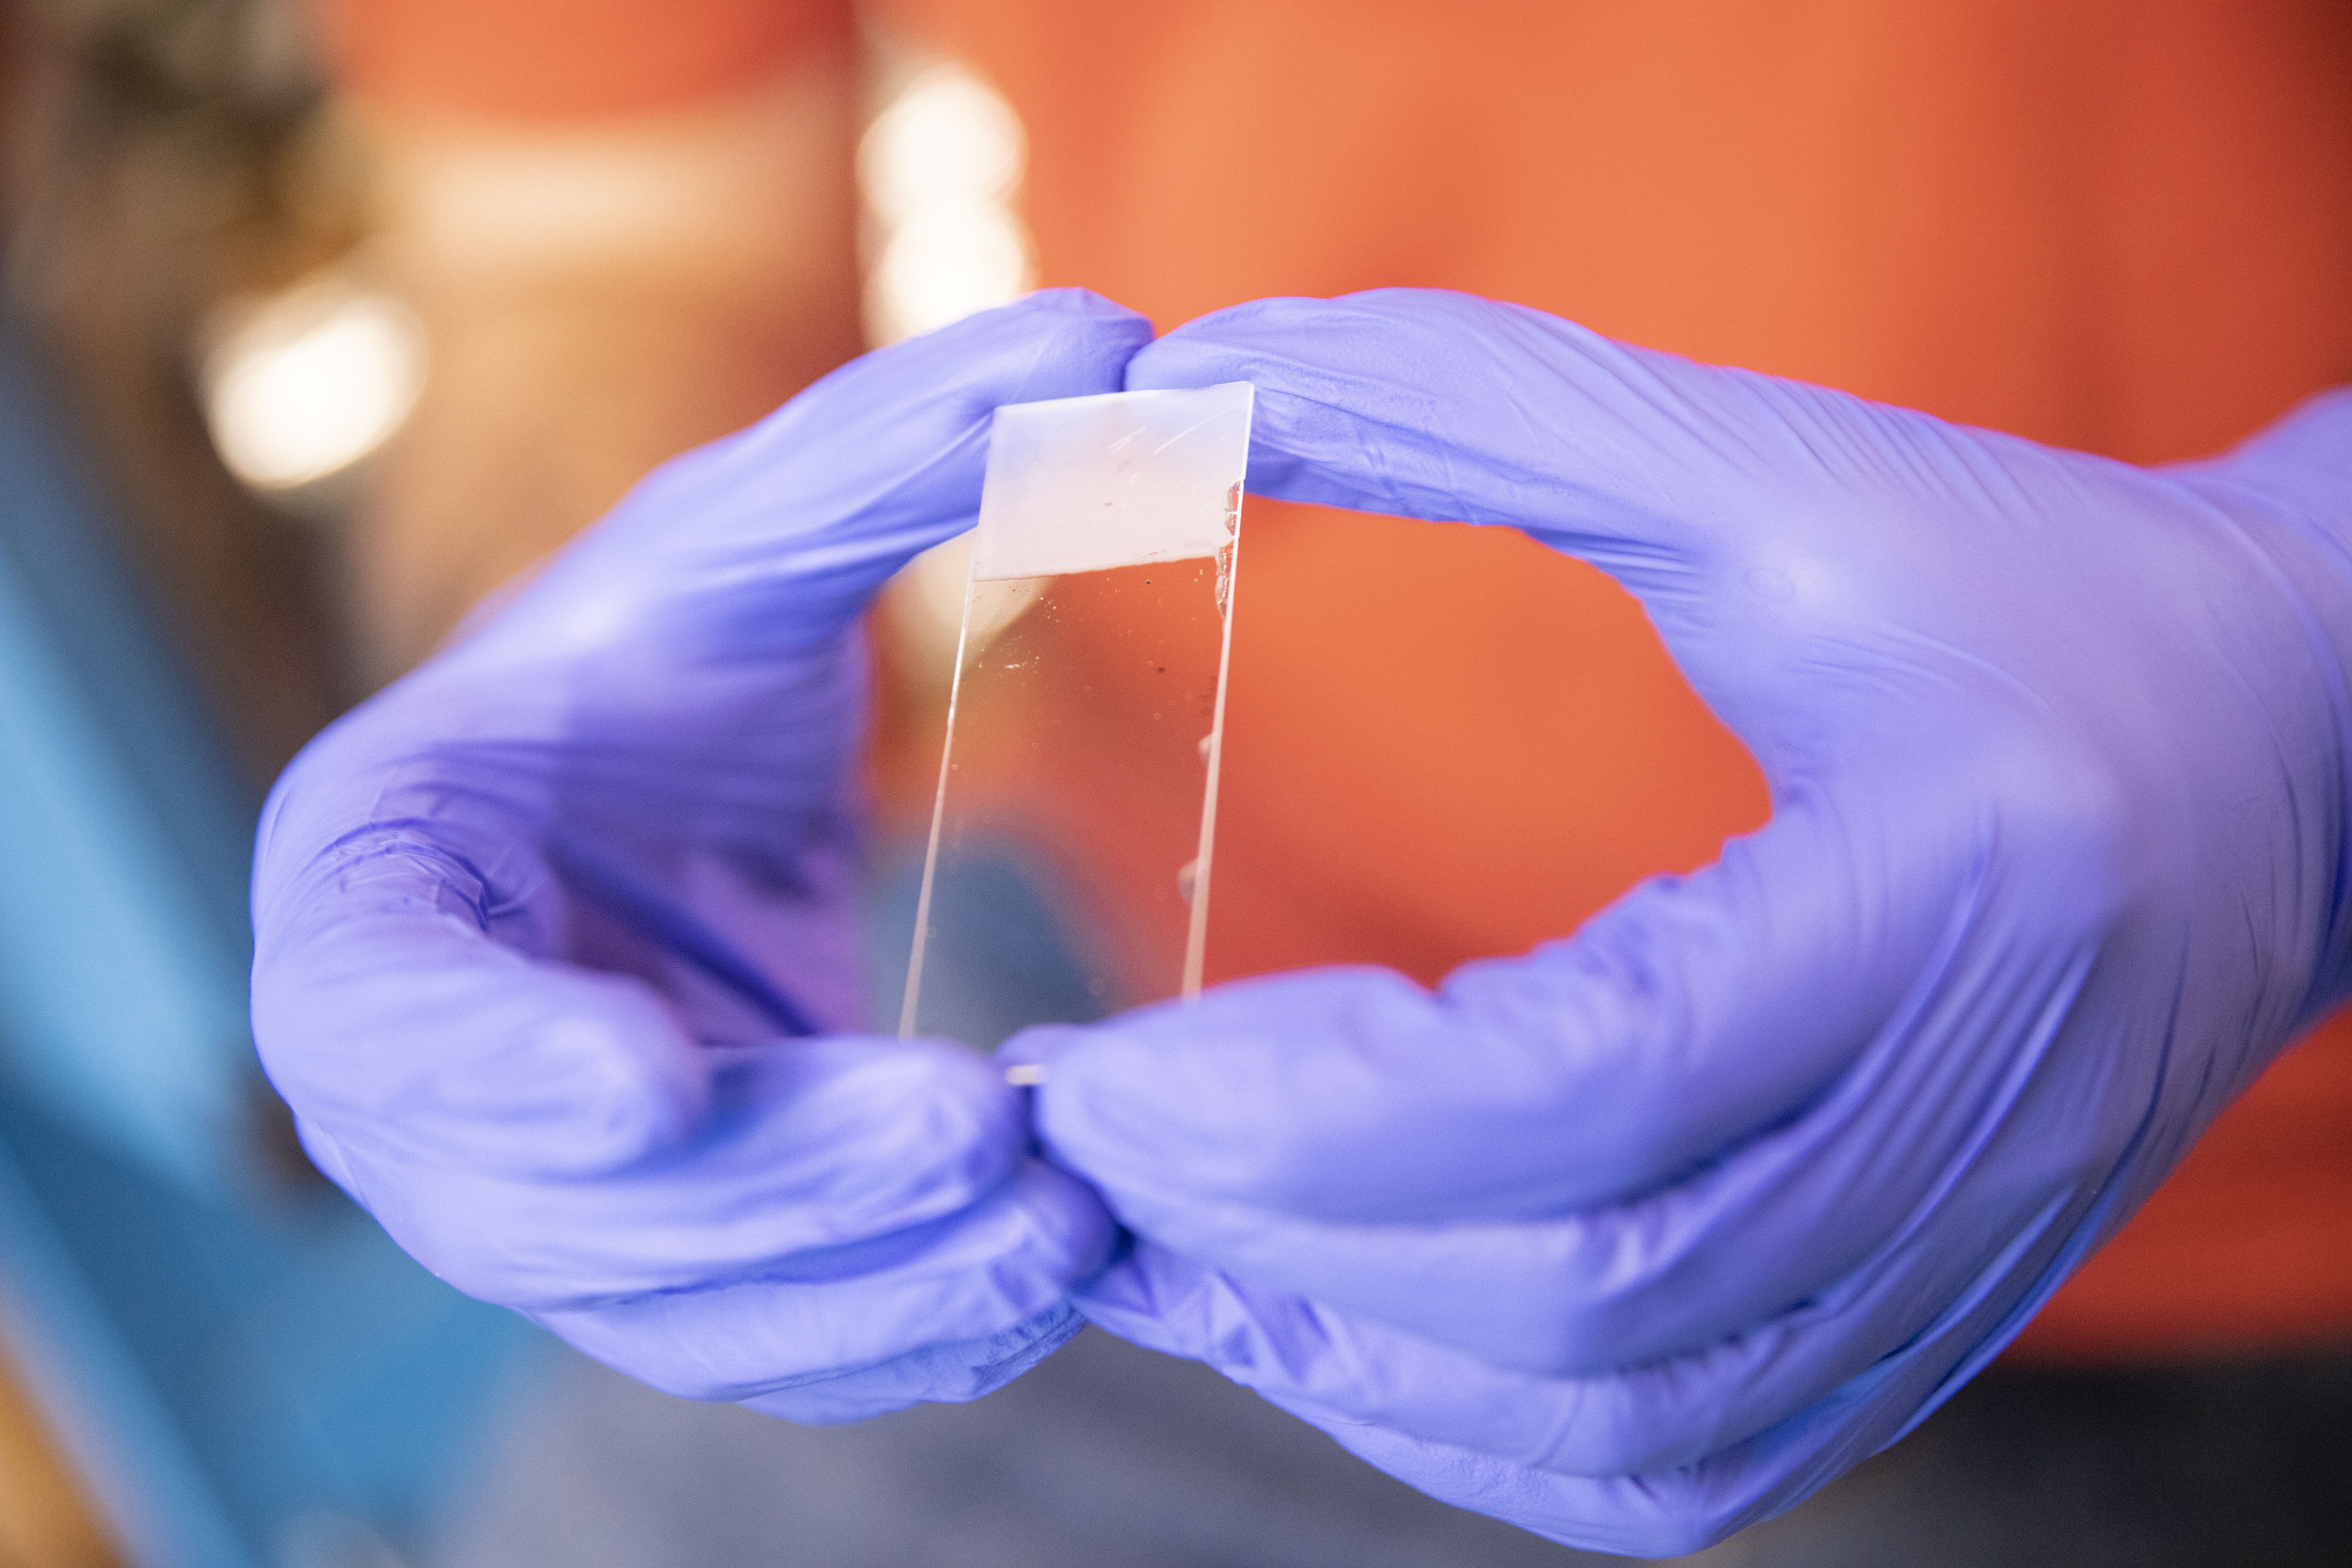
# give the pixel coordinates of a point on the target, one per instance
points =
(552, 935)
(1644, 1235)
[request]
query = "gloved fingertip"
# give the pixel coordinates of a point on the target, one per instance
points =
(595, 1087)
(1219, 1098)
(921, 1085)
(1071, 300)
(1076, 1103)
(891, 1132)
(1229, 344)
(1207, 350)
(1068, 1222)
(651, 1102)
(1076, 325)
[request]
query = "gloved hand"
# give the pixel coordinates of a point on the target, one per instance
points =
(552, 934)
(1644, 1236)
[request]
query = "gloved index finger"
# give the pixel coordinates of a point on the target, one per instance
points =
(810, 508)
(1449, 407)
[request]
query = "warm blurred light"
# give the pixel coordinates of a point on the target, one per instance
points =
(307, 383)
(946, 140)
(938, 169)
(945, 265)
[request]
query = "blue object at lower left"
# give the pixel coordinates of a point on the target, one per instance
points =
(236, 1364)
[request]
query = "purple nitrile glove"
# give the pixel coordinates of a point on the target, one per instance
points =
(552, 933)
(1644, 1236)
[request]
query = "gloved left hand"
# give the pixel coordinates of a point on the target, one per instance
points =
(1644, 1236)
(557, 947)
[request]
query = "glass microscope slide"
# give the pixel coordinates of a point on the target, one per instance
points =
(1086, 716)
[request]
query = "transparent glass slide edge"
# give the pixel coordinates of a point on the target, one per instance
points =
(1090, 483)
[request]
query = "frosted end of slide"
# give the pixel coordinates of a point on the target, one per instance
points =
(1122, 479)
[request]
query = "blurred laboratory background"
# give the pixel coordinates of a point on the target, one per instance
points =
(211, 330)
(293, 377)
